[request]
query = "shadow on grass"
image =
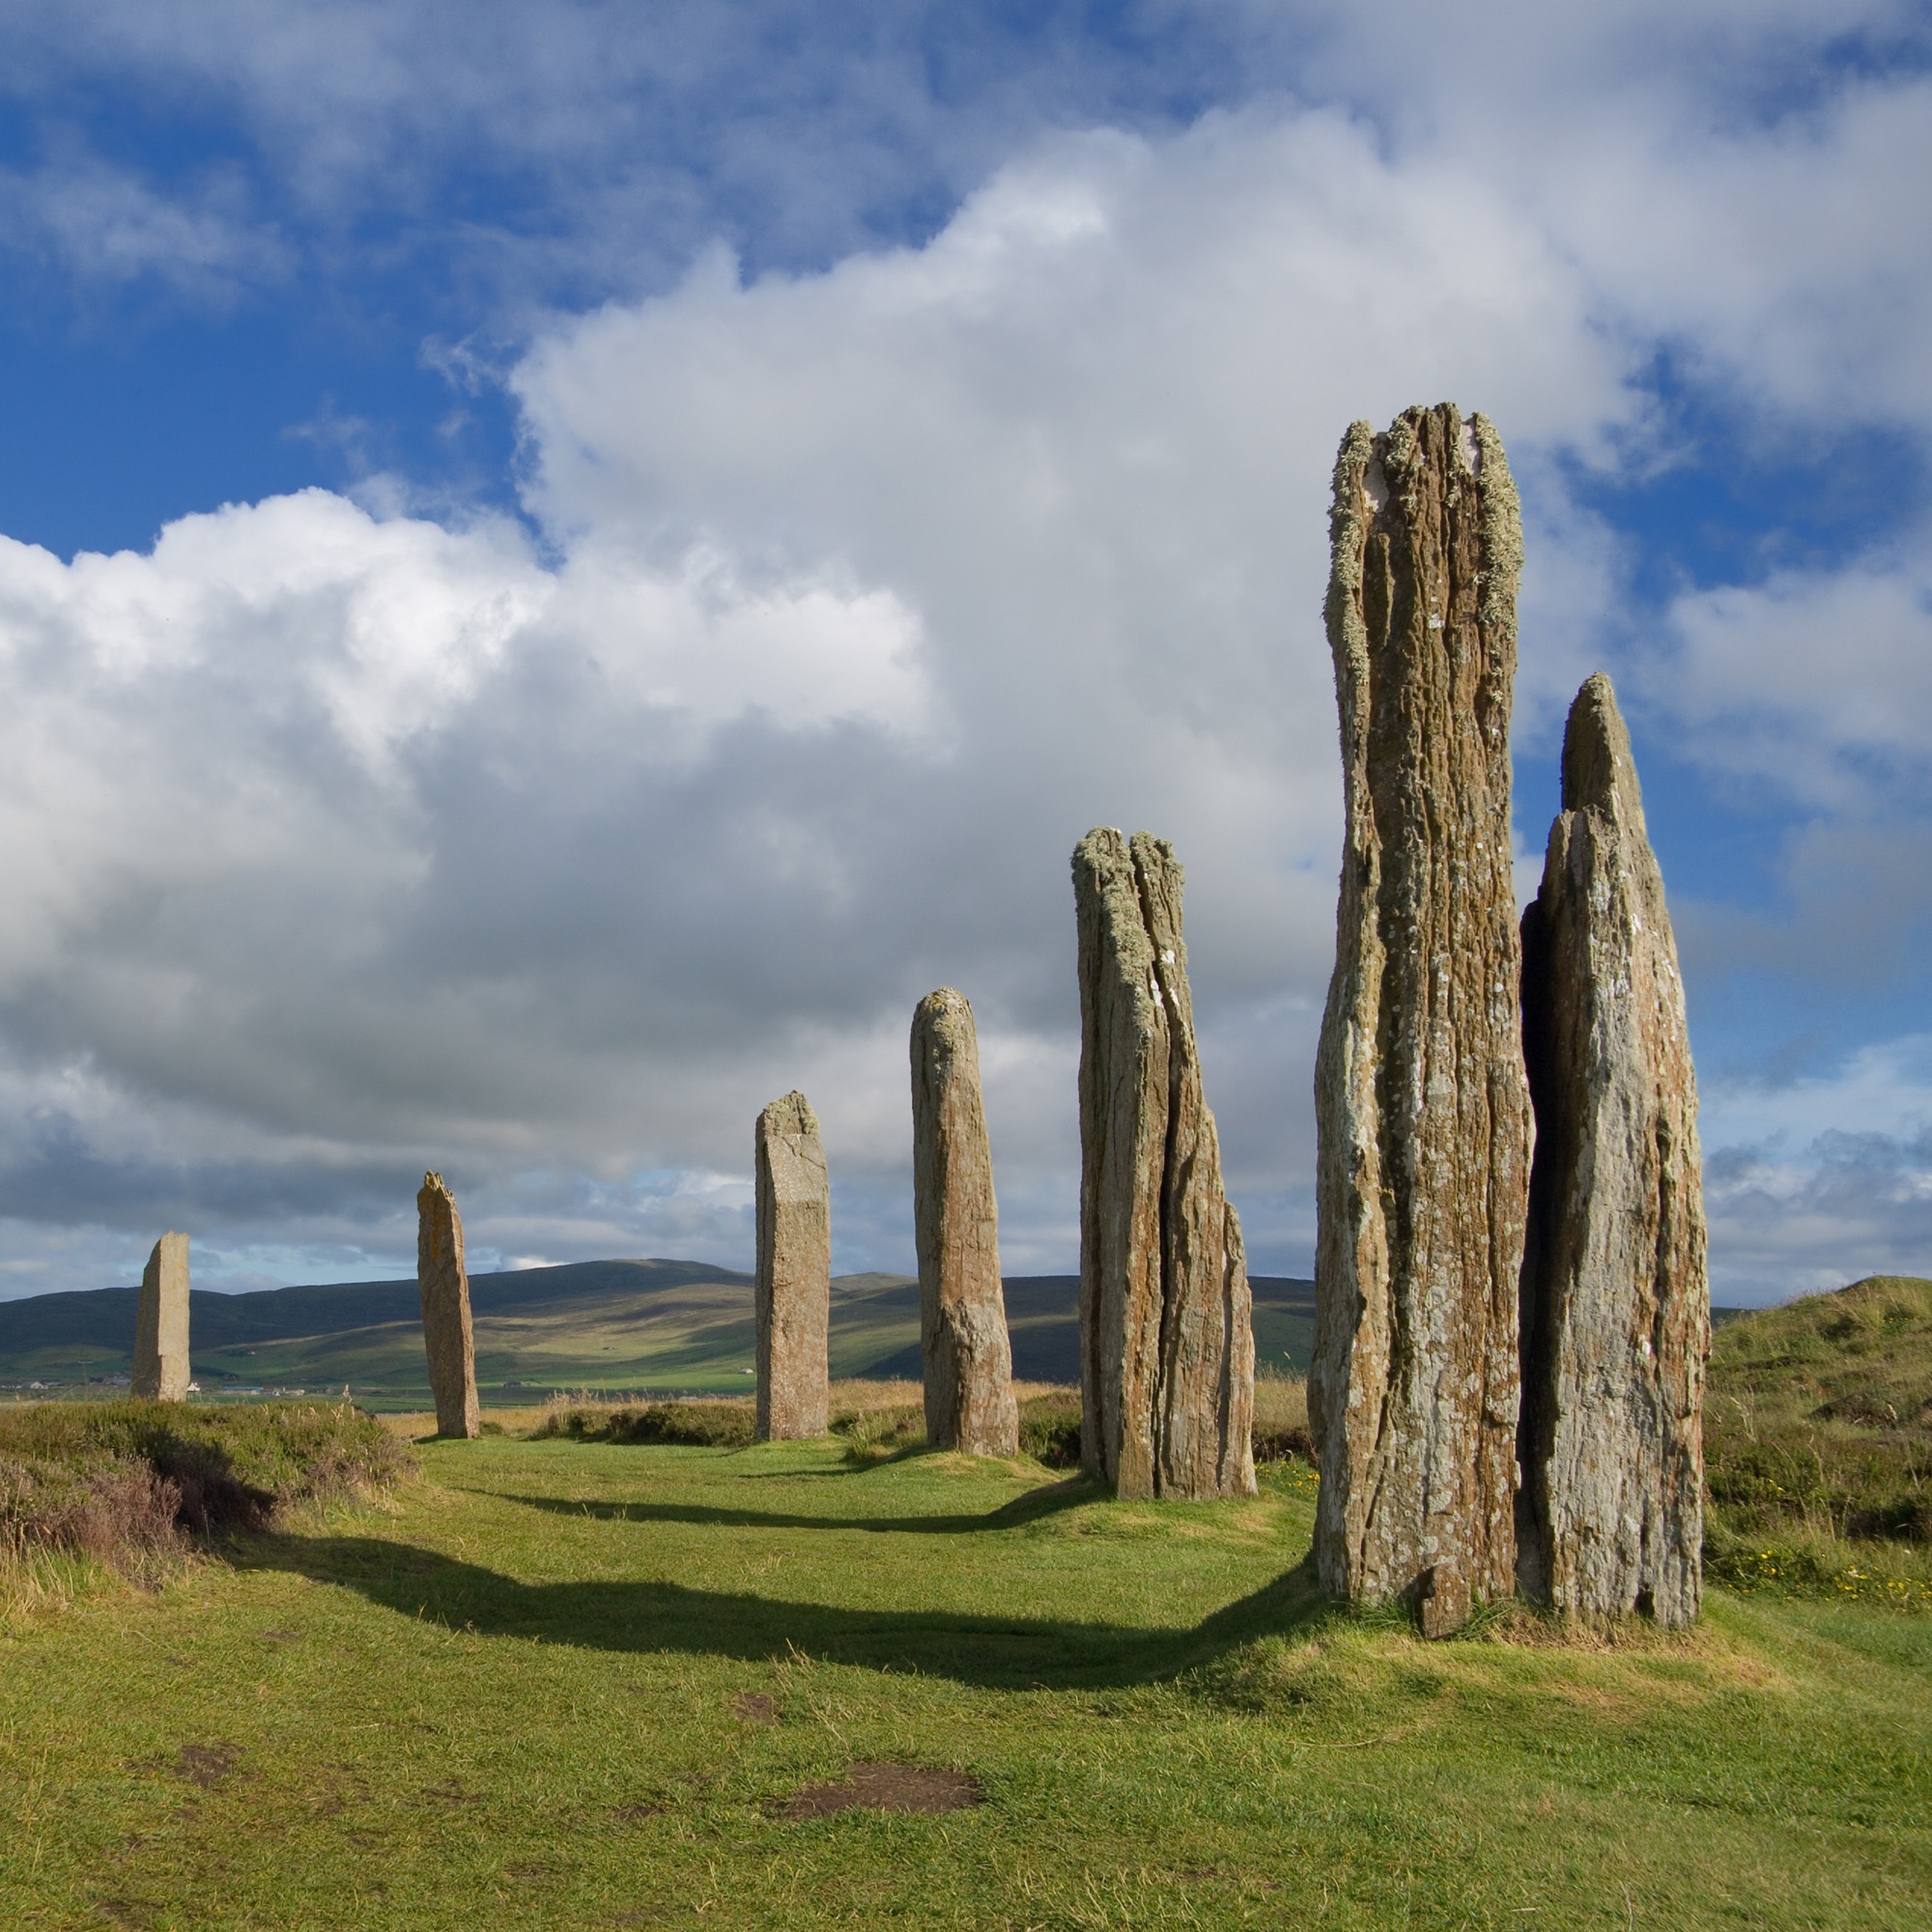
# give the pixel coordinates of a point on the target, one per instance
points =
(1046, 1500)
(1005, 1653)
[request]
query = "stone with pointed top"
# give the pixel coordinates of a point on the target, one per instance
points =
(442, 1284)
(161, 1324)
(1422, 1105)
(968, 1357)
(1616, 1306)
(793, 1295)
(1167, 1355)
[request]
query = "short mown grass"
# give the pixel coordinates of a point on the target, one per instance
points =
(568, 1683)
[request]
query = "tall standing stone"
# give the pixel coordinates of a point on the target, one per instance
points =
(1167, 1352)
(1616, 1306)
(962, 1326)
(161, 1324)
(1421, 1102)
(794, 1284)
(443, 1284)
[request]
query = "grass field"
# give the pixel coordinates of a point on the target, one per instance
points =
(562, 1684)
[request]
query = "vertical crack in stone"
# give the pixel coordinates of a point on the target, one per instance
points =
(793, 1291)
(442, 1284)
(963, 1340)
(1421, 1110)
(1167, 1369)
(1614, 1294)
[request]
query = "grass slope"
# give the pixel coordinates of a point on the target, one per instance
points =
(660, 1324)
(1818, 1441)
(568, 1686)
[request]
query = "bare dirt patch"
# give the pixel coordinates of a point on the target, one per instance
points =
(206, 1765)
(887, 1787)
(449, 1792)
(756, 1707)
(636, 1814)
(135, 1913)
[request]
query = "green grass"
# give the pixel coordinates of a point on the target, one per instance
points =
(561, 1685)
(1818, 1445)
(573, 1682)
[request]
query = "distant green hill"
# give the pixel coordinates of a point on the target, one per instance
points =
(642, 1324)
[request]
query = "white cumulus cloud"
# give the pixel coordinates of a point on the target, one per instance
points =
(341, 844)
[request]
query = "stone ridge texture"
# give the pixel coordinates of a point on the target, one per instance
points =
(1422, 1104)
(161, 1324)
(443, 1284)
(969, 1363)
(1616, 1308)
(1167, 1355)
(794, 1281)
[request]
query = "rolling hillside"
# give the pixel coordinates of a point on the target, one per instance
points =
(665, 1325)
(1818, 1427)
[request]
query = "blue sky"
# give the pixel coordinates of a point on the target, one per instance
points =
(561, 565)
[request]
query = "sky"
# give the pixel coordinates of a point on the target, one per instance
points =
(561, 565)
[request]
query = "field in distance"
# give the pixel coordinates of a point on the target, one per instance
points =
(661, 1325)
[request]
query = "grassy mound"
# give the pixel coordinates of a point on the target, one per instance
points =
(1818, 1443)
(122, 1481)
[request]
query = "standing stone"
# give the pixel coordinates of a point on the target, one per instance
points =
(160, 1327)
(794, 1289)
(1421, 1102)
(443, 1284)
(962, 1308)
(1167, 1352)
(1616, 1306)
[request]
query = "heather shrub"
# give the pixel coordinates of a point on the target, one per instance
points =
(122, 1481)
(1050, 1429)
(699, 1425)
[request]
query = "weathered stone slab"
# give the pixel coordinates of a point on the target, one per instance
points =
(794, 1282)
(161, 1324)
(1167, 1355)
(1422, 1105)
(443, 1284)
(969, 1363)
(1616, 1306)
